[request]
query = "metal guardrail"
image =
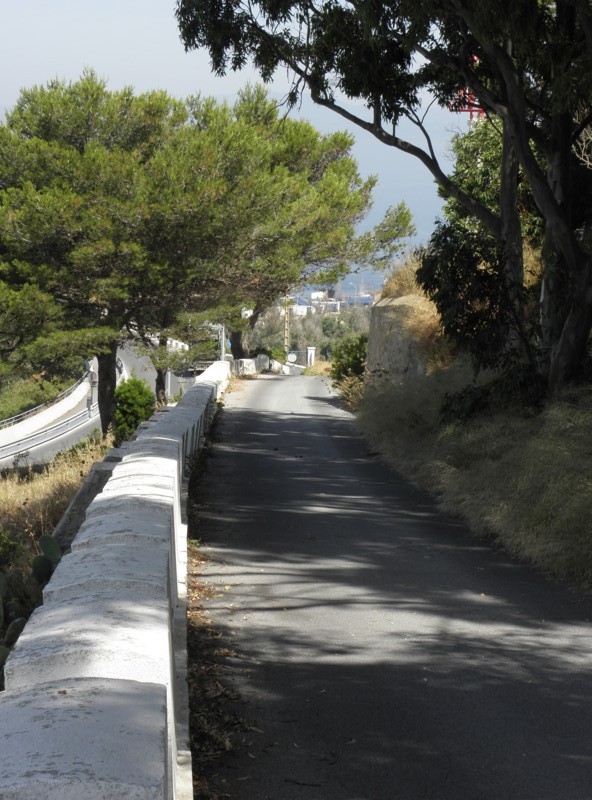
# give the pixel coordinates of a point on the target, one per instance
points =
(10, 421)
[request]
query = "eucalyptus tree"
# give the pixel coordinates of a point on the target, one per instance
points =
(462, 269)
(527, 63)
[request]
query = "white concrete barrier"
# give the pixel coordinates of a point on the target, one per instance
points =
(84, 739)
(251, 366)
(95, 705)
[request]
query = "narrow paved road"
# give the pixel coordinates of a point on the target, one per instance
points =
(384, 652)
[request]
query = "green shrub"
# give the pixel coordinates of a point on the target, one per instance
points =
(134, 404)
(349, 357)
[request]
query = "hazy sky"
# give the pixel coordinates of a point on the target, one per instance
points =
(136, 43)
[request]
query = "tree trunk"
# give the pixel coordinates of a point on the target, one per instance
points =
(556, 285)
(512, 244)
(107, 374)
(160, 387)
(569, 351)
(237, 347)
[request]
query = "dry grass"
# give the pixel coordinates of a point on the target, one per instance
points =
(320, 367)
(402, 282)
(33, 502)
(525, 479)
(351, 391)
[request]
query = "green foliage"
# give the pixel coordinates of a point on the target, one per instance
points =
(17, 395)
(460, 272)
(322, 331)
(486, 309)
(26, 313)
(134, 404)
(50, 548)
(42, 569)
(123, 211)
(527, 66)
(61, 354)
(478, 155)
(9, 550)
(349, 357)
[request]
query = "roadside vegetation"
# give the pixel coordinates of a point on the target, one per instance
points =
(509, 267)
(322, 331)
(518, 472)
(521, 476)
(18, 395)
(141, 216)
(32, 502)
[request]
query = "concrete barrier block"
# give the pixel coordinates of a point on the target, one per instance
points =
(102, 638)
(94, 483)
(159, 446)
(262, 362)
(114, 503)
(128, 500)
(147, 465)
(246, 366)
(148, 485)
(84, 739)
(143, 473)
(149, 527)
(130, 572)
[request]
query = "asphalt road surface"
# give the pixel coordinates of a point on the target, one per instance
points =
(384, 652)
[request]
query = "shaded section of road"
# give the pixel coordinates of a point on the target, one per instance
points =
(383, 652)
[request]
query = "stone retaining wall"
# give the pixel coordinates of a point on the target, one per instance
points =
(393, 349)
(95, 706)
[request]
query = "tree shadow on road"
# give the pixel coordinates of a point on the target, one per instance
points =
(420, 661)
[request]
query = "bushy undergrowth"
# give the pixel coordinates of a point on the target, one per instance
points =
(403, 280)
(135, 402)
(349, 357)
(524, 477)
(320, 367)
(351, 391)
(31, 505)
(21, 395)
(33, 502)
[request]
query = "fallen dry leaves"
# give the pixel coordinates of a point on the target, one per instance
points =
(213, 720)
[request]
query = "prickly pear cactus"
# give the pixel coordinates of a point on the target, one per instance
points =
(4, 653)
(3, 593)
(42, 568)
(50, 549)
(21, 594)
